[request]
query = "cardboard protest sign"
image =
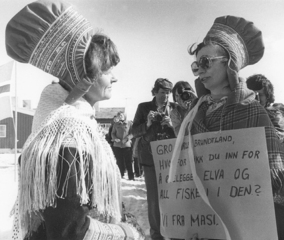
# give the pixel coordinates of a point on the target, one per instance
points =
(233, 170)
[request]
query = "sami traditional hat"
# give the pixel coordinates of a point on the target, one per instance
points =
(52, 36)
(241, 38)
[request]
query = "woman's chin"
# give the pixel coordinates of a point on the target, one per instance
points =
(206, 85)
(108, 96)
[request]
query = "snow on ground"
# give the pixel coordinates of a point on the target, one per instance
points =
(8, 190)
(133, 193)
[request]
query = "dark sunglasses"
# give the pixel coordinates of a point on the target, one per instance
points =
(205, 63)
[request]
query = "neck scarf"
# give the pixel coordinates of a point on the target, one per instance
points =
(214, 104)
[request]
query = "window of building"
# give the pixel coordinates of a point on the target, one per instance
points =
(3, 131)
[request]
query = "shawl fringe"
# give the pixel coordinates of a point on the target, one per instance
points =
(66, 127)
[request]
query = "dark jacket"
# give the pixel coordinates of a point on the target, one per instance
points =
(153, 133)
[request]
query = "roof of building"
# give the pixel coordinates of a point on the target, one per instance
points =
(101, 113)
(108, 113)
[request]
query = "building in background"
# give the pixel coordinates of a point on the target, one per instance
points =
(24, 126)
(25, 115)
(104, 116)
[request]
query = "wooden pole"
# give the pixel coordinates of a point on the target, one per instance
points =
(16, 123)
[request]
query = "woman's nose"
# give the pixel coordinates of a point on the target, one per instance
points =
(113, 78)
(200, 70)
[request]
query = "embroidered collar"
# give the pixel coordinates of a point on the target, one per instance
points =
(214, 104)
(210, 100)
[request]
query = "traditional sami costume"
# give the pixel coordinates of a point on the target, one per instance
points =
(67, 170)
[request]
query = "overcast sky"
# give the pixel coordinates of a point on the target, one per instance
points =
(152, 37)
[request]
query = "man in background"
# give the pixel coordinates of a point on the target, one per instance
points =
(151, 123)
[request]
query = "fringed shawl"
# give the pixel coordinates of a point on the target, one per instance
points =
(67, 126)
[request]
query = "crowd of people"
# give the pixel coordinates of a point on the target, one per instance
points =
(69, 174)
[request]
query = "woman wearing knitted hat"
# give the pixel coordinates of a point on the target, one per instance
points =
(231, 44)
(67, 170)
(183, 96)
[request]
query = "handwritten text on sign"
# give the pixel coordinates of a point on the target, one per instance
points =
(234, 170)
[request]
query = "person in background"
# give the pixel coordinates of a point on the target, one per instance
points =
(121, 137)
(152, 122)
(108, 135)
(138, 169)
(280, 107)
(263, 88)
(183, 96)
(231, 44)
(67, 169)
(265, 95)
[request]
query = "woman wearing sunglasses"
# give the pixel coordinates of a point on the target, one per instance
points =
(183, 95)
(231, 44)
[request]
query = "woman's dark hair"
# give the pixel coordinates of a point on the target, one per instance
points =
(192, 50)
(179, 87)
(162, 83)
(257, 82)
(100, 56)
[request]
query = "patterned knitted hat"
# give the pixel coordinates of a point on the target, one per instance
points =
(53, 37)
(242, 40)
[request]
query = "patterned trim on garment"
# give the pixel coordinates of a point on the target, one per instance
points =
(70, 142)
(228, 38)
(64, 33)
(102, 231)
